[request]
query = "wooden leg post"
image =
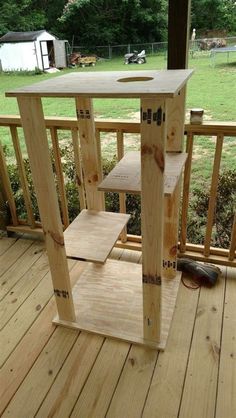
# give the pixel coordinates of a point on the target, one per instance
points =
(37, 145)
(153, 133)
(84, 110)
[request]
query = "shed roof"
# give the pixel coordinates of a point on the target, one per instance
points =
(21, 36)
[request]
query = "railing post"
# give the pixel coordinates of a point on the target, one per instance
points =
(233, 241)
(7, 187)
(122, 196)
(213, 194)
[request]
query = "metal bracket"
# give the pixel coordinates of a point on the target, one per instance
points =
(83, 114)
(151, 116)
(61, 293)
(152, 280)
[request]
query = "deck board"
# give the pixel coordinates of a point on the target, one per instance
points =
(58, 372)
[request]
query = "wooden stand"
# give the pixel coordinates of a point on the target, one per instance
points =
(116, 299)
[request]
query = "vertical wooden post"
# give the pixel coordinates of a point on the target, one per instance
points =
(175, 142)
(7, 187)
(84, 110)
(78, 168)
(178, 33)
(100, 168)
(37, 146)
(22, 175)
(60, 177)
(233, 240)
(213, 194)
(122, 196)
(153, 134)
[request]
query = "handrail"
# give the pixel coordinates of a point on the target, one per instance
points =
(121, 127)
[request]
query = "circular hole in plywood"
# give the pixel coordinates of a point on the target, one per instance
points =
(133, 79)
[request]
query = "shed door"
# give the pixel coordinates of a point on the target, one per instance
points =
(44, 54)
(60, 53)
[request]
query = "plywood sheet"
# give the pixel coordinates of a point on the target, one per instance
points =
(165, 83)
(108, 301)
(126, 175)
(92, 235)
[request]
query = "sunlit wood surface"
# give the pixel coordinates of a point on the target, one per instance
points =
(49, 371)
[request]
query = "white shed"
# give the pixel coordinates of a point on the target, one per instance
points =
(30, 50)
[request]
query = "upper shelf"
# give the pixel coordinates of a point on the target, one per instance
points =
(126, 175)
(92, 235)
(165, 83)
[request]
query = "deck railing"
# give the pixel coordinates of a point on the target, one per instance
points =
(120, 127)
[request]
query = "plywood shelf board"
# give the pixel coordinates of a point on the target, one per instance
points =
(108, 301)
(126, 175)
(92, 235)
(165, 83)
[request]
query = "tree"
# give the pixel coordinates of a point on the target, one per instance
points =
(98, 22)
(214, 14)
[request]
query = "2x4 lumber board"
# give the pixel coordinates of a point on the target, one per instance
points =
(60, 176)
(10, 257)
(109, 84)
(207, 127)
(232, 249)
(70, 380)
(199, 394)
(226, 400)
(20, 267)
(92, 235)
(109, 301)
(86, 126)
(95, 397)
(22, 175)
(175, 122)
(78, 168)
(153, 136)
(34, 388)
(126, 175)
(171, 229)
(133, 385)
(29, 347)
(6, 184)
(32, 119)
(213, 194)
(25, 229)
(165, 391)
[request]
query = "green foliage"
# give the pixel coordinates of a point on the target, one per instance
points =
(214, 14)
(223, 215)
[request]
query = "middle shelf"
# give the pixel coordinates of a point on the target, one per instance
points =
(92, 235)
(126, 175)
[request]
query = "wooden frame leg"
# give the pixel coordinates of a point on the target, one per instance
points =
(153, 133)
(92, 175)
(37, 146)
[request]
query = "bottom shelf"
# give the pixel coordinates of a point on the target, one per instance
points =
(108, 301)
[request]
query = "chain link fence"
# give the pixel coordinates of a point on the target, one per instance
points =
(154, 48)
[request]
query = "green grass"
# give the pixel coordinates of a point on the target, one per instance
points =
(211, 87)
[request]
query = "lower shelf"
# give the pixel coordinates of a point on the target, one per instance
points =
(108, 301)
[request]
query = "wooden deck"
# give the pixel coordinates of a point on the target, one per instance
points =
(50, 371)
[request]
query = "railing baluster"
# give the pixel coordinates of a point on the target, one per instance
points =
(186, 186)
(213, 194)
(122, 196)
(99, 154)
(232, 248)
(8, 194)
(60, 177)
(78, 169)
(22, 175)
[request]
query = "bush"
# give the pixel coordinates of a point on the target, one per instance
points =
(223, 216)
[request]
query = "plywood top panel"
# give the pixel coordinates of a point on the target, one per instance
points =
(92, 235)
(165, 83)
(126, 175)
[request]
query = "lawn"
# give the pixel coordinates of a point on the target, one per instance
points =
(212, 87)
